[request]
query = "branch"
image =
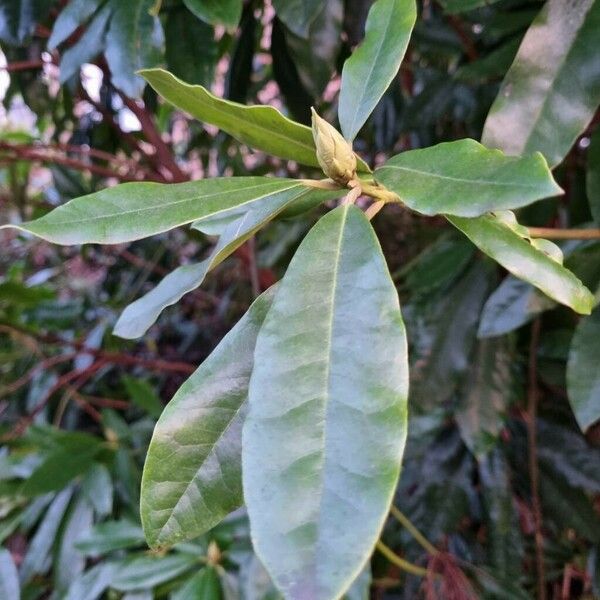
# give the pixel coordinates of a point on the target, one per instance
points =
(564, 234)
(403, 564)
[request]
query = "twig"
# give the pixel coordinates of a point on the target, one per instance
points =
(408, 525)
(403, 564)
(564, 234)
(23, 65)
(532, 401)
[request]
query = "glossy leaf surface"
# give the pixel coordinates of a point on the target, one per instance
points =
(192, 477)
(298, 15)
(373, 65)
(325, 433)
(136, 210)
(72, 16)
(583, 377)
(217, 12)
(141, 314)
(516, 254)
(551, 91)
(466, 179)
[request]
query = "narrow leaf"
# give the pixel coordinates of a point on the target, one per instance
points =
(373, 65)
(109, 536)
(551, 91)
(204, 584)
(466, 179)
(200, 434)
(325, 433)
(217, 12)
(9, 580)
(72, 16)
(593, 175)
(142, 572)
(260, 127)
(141, 314)
(516, 254)
(132, 211)
(583, 377)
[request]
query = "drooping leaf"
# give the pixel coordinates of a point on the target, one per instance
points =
(373, 65)
(551, 91)
(204, 584)
(9, 580)
(72, 16)
(97, 487)
(200, 433)
(217, 12)
(91, 584)
(513, 304)
(260, 127)
(583, 376)
(466, 179)
(110, 535)
(593, 175)
(18, 19)
(134, 41)
(143, 571)
(141, 314)
(298, 15)
(325, 432)
(191, 50)
(506, 246)
(136, 210)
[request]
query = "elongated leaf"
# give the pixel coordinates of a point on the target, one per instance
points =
(325, 433)
(91, 584)
(134, 41)
(458, 6)
(517, 255)
(110, 535)
(466, 179)
(143, 394)
(583, 377)
(513, 304)
(373, 65)
(217, 12)
(72, 16)
(298, 15)
(261, 127)
(9, 580)
(18, 19)
(97, 487)
(200, 434)
(204, 584)
(142, 572)
(140, 315)
(136, 210)
(551, 91)
(593, 175)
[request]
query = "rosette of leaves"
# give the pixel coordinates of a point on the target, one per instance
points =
(301, 411)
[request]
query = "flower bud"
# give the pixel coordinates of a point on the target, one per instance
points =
(334, 153)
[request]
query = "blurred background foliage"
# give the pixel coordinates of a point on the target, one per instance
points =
(488, 353)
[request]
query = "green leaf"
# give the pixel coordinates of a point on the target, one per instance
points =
(97, 487)
(204, 584)
(260, 127)
(583, 377)
(91, 584)
(458, 6)
(551, 91)
(141, 572)
(132, 211)
(134, 41)
(466, 179)
(191, 50)
(593, 175)
(9, 580)
(502, 243)
(141, 314)
(72, 16)
(143, 395)
(217, 12)
(18, 19)
(298, 15)
(373, 65)
(513, 304)
(192, 475)
(324, 437)
(109, 536)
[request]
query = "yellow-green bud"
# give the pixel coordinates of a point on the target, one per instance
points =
(334, 153)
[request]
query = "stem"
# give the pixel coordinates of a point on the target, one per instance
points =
(408, 525)
(400, 562)
(564, 234)
(374, 209)
(378, 192)
(532, 400)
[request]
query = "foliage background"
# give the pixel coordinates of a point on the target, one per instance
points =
(78, 404)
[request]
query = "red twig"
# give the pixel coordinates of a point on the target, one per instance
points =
(23, 65)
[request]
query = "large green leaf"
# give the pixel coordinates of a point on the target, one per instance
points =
(192, 477)
(261, 127)
(373, 65)
(141, 314)
(517, 255)
(466, 179)
(9, 580)
(298, 15)
(552, 89)
(593, 175)
(136, 210)
(324, 437)
(583, 377)
(217, 12)
(134, 41)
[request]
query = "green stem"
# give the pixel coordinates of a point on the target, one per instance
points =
(408, 525)
(400, 562)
